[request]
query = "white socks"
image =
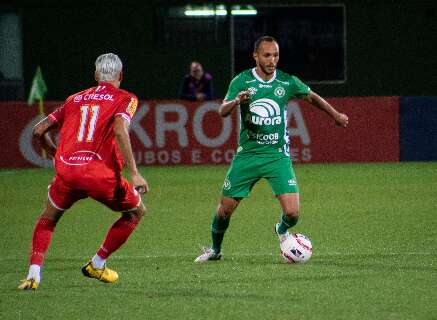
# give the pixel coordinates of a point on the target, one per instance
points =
(98, 262)
(34, 272)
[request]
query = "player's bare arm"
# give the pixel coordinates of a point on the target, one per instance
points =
(41, 132)
(227, 107)
(341, 119)
(121, 134)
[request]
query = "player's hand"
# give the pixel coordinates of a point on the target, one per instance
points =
(50, 151)
(341, 120)
(242, 96)
(140, 184)
(200, 96)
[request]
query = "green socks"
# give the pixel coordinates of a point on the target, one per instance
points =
(220, 225)
(218, 229)
(286, 223)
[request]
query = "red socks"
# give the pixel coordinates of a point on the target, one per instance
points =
(42, 235)
(118, 234)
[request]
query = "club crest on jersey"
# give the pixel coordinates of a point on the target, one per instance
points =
(264, 112)
(132, 107)
(279, 92)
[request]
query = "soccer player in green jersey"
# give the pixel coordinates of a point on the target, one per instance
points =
(263, 152)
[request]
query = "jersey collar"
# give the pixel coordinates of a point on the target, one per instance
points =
(104, 83)
(259, 78)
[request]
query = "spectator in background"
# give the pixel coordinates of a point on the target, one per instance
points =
(197, 85)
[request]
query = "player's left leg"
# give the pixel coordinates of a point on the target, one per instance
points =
(42, 235)
(280, 175)
(290, 213)
(60, 198)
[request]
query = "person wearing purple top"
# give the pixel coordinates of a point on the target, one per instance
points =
(197, 85)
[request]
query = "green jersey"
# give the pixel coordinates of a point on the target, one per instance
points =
(263, 118)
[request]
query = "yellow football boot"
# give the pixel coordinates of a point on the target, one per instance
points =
(105, 275)
(28, 284)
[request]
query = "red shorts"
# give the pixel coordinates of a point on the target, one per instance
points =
(93, 180)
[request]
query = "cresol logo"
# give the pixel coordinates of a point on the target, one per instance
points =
(264, 112)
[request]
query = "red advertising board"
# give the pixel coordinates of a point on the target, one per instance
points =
(372, 134)
(171, 132)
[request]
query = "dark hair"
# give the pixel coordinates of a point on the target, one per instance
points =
(262, 39)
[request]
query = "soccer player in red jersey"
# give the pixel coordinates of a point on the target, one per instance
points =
(94, 144)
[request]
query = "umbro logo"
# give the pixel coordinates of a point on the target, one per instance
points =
(252, 90)
(292, 182)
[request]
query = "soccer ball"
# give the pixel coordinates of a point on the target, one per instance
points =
(297, 248)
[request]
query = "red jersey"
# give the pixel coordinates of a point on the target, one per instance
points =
(86, 120)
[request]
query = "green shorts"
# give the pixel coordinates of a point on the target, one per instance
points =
(246, 170)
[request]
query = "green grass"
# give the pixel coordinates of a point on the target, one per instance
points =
(373, 227)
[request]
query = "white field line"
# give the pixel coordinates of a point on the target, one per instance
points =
(7, 172)
(271, 254)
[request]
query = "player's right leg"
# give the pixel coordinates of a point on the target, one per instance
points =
(42, 235)
(127, 201)
(220, 224)
(117, 235)
(241, 177)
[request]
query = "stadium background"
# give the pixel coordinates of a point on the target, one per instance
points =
(390, 46)
(389, 51)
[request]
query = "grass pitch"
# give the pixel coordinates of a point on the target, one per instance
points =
(373, 228)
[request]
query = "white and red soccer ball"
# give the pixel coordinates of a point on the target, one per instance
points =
(297, 248)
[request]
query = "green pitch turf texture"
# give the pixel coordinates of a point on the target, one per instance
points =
(373, 227)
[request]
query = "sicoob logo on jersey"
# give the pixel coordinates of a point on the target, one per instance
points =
(132, 107)
(264, 112)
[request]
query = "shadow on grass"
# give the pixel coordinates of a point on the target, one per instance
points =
(380, 262)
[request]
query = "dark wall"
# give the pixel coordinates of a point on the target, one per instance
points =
(65, 42)
(391, 48)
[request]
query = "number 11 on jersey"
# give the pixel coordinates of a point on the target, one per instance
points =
(84, 111)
